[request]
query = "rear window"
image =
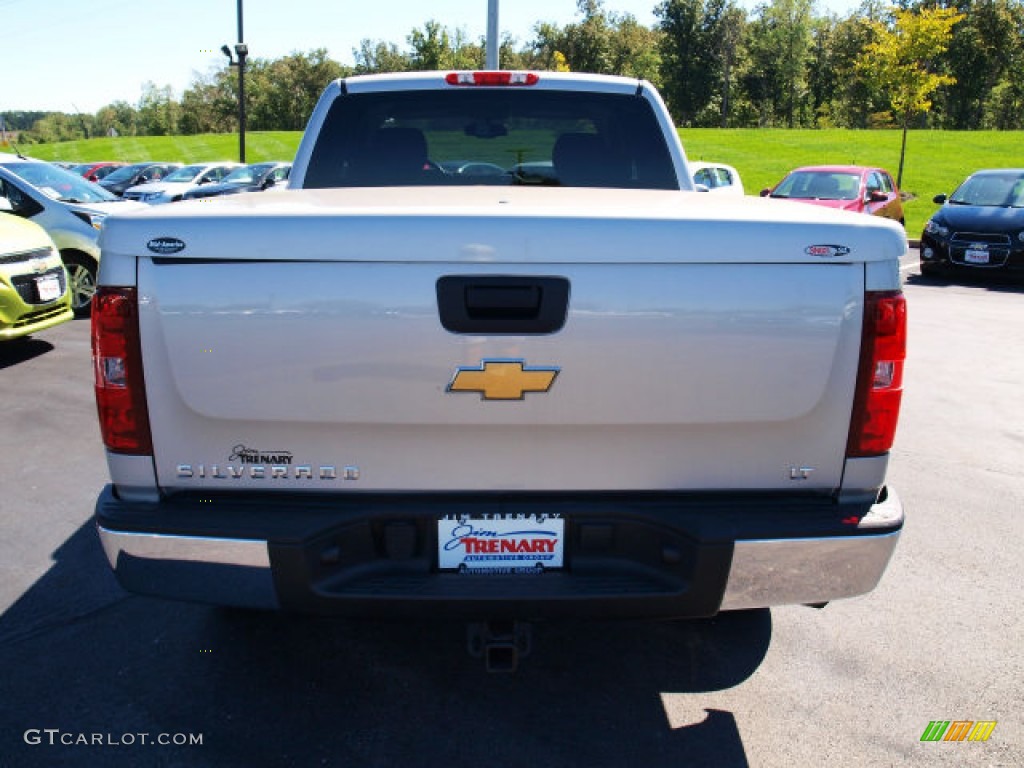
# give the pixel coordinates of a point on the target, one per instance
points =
(491, 136)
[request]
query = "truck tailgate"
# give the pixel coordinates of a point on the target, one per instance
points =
(680, 365)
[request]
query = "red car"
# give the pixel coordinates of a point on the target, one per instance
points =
(95, 171)
(845, 187)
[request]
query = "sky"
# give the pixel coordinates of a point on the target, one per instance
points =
(80, 55)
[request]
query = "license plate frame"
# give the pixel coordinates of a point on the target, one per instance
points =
(976, 256)
(48, 288)
(521, 543)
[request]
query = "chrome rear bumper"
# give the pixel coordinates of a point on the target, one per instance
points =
(207, 570)
(770, 572)
(762, 572)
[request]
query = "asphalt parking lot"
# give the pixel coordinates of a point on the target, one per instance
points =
(854, 684)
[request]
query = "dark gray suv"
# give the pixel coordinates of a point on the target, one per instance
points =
(139, 173)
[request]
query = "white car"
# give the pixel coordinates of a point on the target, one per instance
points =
(70, 209)
(716, 177)
(174, 185)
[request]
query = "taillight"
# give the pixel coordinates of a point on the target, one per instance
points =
(492, 78)
(117, 365)
(876, 404)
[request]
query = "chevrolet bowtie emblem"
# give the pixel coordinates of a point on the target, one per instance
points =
(502, 379)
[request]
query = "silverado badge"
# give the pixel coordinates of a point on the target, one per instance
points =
(502, 379)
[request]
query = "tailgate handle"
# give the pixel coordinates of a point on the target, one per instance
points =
(503, 300)
(513, 304)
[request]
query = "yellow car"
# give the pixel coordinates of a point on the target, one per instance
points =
(33, 282)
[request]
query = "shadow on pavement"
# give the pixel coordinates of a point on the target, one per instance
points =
(83, 657)
(20, 350)
(990, 282)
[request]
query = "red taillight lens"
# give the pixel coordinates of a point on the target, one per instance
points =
(876, 405)
(117, 365)
(492, 78)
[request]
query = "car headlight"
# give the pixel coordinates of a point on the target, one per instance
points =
(934, 228)
(94, 220)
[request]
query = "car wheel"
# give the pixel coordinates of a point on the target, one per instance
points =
(81, 283)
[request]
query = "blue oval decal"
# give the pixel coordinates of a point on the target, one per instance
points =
(164, 245)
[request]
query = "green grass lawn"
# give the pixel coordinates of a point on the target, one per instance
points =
(259, 146)
(936, 161)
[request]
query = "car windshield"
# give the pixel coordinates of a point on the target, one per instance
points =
(247, 174)
(125, 173)
(59, 184)
(188, 173)
(994, 190)
(819, 185)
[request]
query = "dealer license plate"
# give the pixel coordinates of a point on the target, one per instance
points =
(976, 257)
(48, 288)
(512, 544)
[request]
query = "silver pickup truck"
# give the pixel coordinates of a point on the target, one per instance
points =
(491, 355)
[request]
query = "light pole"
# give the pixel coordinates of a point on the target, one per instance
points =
(241, 51)
(493, 43)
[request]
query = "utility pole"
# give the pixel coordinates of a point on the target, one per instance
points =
(493, 43)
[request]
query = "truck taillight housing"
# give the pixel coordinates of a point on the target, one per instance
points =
(876, 404)
(492, 78)
(117, 365)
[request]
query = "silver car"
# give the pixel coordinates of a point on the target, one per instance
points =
(174, 185)
(69, 208)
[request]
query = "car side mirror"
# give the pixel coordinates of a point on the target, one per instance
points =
(877, 196)
(268, 182)
(939, 199)
(765, 192)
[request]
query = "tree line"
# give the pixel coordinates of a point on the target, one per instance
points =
(717, 65)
